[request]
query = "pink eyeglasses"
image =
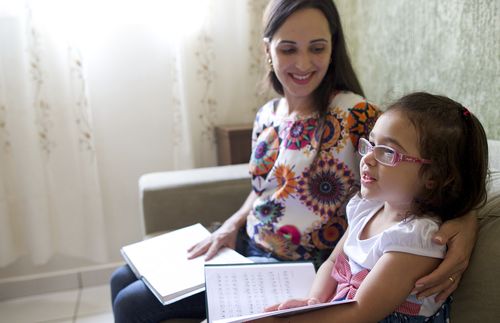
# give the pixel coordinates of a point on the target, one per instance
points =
(387, 155)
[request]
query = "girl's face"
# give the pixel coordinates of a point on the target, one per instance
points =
(398, 184)
(300, 51)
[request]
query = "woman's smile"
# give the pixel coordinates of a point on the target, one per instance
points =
(301, 79)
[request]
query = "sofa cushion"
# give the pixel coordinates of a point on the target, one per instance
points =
(477, 298)
(492, 206)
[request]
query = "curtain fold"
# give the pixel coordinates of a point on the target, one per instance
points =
(93, 94)
(50, 198)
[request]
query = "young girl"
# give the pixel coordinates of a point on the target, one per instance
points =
(424, 163)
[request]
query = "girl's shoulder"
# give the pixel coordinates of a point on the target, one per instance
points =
(427, 223)
(359, 207)
(414, 235)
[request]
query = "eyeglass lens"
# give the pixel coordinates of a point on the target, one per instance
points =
(383, 155)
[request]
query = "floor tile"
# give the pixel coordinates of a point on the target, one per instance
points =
(38, 286)
(39, 308)
(100, 276)
(97, 318)
(94, 300)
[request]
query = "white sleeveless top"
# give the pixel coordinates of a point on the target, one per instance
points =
(413, 236)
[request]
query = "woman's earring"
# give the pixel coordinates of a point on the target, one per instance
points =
(270, 62)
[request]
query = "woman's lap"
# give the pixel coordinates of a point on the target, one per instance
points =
(121, 278)
(133, 301)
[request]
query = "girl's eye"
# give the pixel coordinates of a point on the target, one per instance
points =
(388, 154)
(383, 154)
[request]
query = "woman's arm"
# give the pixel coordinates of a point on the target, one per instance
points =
(460, 236)
(226, 235)
(387, 286)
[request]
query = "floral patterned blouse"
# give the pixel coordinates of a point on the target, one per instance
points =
(300, 209)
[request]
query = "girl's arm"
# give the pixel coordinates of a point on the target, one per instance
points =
(387, 286)
(460, 236)
(324, 286)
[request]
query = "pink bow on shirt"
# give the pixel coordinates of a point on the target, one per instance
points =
(347, 283)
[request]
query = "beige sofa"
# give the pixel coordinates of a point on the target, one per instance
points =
(171, 200)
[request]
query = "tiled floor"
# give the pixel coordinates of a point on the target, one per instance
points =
(87, 305)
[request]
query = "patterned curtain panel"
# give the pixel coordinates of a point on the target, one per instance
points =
(94, 94)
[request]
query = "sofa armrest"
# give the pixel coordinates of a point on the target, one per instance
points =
(175, 199)
(477, 296)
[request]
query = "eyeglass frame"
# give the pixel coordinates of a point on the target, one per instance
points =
(398, 157)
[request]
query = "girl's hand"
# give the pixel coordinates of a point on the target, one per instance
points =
(225, 236)
(291, 303)
(460, 236)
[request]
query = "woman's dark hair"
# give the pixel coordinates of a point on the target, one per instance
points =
(340, 74)
(455, 141)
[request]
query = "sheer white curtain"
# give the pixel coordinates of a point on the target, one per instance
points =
(95, 93)
(50, 199)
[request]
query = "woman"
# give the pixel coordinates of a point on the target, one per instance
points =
(303, 164)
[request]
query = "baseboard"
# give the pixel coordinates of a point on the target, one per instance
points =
(56, 281)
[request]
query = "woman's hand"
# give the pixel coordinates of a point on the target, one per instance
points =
(225, 236)
(460, 236)
(291, 303)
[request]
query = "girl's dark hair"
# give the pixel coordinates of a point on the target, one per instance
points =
(340, 74)
(455, 141)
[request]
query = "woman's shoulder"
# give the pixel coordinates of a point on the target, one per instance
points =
(270, 106)
(356, 111)
(266, 112)
(347, 100)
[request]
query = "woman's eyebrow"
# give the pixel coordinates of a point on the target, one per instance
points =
(291, 42)
(287, 42)
(319, 40)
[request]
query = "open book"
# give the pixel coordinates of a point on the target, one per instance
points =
(239, 293)
(161, 262)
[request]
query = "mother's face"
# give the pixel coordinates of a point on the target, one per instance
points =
(300, 51)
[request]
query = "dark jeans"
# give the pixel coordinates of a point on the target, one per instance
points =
(133, 302)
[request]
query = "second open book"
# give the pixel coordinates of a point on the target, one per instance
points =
(161, 262)
(239, 293)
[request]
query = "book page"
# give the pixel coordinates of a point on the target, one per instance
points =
(162, 262)
(234, 290)
(281, 313)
